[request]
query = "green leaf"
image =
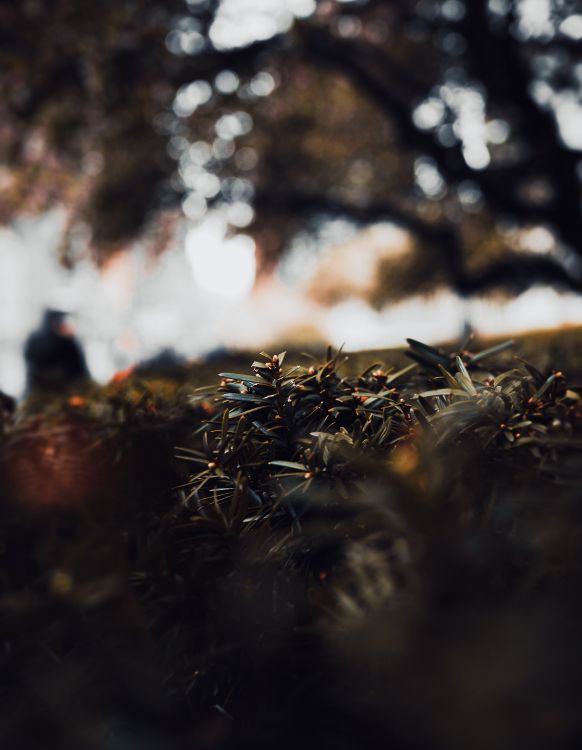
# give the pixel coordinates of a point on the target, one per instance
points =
(448, 377)
(369, 369)
(243, 397)
(393, 377)
(426, 354)
(241, 378)
(514, 373)
(289, 465)
(534, 372)
(463, 377)
(461, 366)
(497, 349)
(443, 392)
(422, 420)
(415, 344)
(543, 388)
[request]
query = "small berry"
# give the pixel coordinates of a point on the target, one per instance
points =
(122, 375)
(207, 408)
(61, 583)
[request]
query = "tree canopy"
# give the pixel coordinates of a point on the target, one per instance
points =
(458, 121)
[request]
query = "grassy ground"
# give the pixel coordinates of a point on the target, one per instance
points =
(542, 348)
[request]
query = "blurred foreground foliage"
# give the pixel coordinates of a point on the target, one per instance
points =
(332, 559)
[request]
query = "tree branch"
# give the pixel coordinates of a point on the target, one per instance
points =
(517, 271)
(208, 64)
(347, 56)
(491, 55)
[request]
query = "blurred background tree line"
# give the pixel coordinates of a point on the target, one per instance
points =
(461, 122)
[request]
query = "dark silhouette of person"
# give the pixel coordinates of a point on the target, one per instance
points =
(54, 358)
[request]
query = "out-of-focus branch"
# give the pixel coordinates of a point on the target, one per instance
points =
(541, 134)
(491, 54)
(206, 64)
(349, 57)
(516, 271)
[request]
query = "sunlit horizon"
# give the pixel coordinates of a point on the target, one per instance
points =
(135, 307)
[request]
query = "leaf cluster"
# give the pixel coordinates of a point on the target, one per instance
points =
(275, 433)
(278, 430)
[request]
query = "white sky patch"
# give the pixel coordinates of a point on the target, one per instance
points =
(307, 251)
(240, 214)
(220, 265)
(227, 82)
(262, 84)
(470, 125)
(538, 239)
(536, 309)
(497, 131)
(352, 268)
(568, 111)
(429, 114)
(190, 97)
(241, 22)
(428, 178)
(356, 325)
(572, 27)
(186, 38)
(534, 18)
(233, 125)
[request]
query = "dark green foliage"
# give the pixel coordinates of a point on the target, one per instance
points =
(275, 432)
(354, 561)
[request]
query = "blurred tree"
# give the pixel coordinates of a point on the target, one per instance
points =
(459, 121)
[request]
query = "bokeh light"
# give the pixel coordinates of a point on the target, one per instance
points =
(223, 266)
